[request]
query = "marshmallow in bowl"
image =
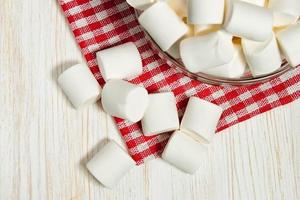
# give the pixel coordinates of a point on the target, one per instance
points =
(110, 164)
(204, 12)
(289, 43)
(285, 12)
(174, 50)
(260, 3)
(161, 115)
(163, 25)
(140, 4)
(205, 29)
(179, 6)
(200, 119)
(120, 62)
(262, 57)
(249, 21)
(206, 51)
(80, 86)
(236, 68)
(124, 100)
(285, 6)
(283, 19)
(184, 152)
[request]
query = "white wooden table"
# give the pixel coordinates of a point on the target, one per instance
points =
(44, 143)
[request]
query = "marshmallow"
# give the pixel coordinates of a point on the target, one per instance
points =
(80, 86)
(184, 152)
(140, 4)
(204, 12)
(289, 42)
(179, 6)
(285, 6)
(205, 29)
(163, 25)
(124, 100)
(174, 51)
(283, 19)
(256, 2)
(201, 119)
(120, 62)
(234, 69)
(249, 21)
(262, 57)
(110, 164)
(161, 115)
(206, 51)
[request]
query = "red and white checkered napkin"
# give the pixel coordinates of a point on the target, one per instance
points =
(99, 24)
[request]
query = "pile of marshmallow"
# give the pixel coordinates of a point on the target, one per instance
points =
(157, 112)
(225, 37)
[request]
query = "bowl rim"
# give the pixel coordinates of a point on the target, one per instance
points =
(210, 79)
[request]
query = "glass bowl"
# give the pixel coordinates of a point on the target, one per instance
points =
(247, 79)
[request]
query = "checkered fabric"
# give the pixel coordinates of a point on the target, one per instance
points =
(99, 24)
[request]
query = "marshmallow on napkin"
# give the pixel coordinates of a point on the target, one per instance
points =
(184, 152)
(110, 164)
(163, 25)
(249, 21)
(124, 100)
(204, 12)
(80, 86)
(262, 57)
(206, 51)
(120, 62)
(234, 69)
(161, 115)
(289, 42)
(200, 119)
(140, 4)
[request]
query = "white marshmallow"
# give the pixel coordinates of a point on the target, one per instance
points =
(179, 6)
(262, 57)
(174, 51)
(163, 25)
(140, 4)
(120, 62)
(282, 19)
(80, 86)
(202, 52)
(110, 164)
(204, 12)
(184, 152)
(260, 3)
(285, 6)
(289, 42)
(205, 29)
(236, 68)
(200, 119)
(124, 100)
(249, 21)
(161, 115)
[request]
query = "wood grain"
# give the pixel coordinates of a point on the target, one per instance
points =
(44, 143)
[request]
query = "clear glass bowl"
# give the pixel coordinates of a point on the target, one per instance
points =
(247, 79)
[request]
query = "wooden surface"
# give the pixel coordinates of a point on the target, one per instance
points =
(44, 143)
